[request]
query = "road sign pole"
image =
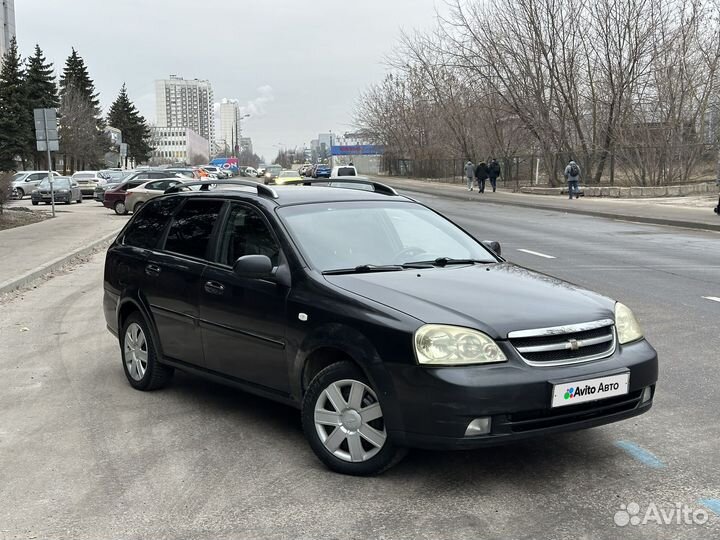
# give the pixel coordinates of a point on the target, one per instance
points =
(50, 176)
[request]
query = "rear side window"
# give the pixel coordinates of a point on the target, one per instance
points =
(346, 171)
(191, 229)
(148, 225)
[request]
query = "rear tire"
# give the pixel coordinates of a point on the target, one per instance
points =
(139, 356)
(35, 203)
(343, 422)
(137, 206)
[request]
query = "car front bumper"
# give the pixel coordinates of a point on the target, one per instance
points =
(46, 197)
(432, 407)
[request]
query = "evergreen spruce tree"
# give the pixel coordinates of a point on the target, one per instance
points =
(124, 116)
(15, 115)
(75, 75)
(41, 92)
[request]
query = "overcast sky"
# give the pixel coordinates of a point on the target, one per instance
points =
(299, 66)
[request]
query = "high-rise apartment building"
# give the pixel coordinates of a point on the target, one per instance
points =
(186, 103)
(229, 124)
(7, 25)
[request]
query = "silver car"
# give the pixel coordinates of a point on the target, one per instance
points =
(24, 182)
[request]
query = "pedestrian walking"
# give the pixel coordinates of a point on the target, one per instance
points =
(481, 174)
(572, 175)
(469, 174)
(493, 173)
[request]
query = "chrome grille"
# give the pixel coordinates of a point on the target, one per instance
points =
(569, 344)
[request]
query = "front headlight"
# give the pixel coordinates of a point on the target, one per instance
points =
(442, 345)
(628, 328)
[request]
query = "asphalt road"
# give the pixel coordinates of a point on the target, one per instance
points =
(82, 455)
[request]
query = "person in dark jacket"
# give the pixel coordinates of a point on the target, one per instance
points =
(493, 172)
(481, 174)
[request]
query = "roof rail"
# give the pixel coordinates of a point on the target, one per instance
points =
(262, 189)
(377, 186)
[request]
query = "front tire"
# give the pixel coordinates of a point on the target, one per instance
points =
(35, 203)
(21, 193)
(120, 208)
(139, 356)
(343, 422)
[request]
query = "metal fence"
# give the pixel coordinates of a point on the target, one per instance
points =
(626, 166)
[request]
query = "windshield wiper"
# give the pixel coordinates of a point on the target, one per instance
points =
(445, 261)
(366, 269)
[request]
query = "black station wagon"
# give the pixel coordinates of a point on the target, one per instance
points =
(389, 326)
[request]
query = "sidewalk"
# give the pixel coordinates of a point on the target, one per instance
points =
(31, 251)
(694, 212)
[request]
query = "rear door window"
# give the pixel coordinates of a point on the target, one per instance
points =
(148, 226)
(192, 227)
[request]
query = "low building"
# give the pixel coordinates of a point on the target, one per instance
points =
(178, 144)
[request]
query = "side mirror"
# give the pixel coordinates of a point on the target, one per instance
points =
(253, 266)
(493, 246)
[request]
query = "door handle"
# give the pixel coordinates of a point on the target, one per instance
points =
(213, 287)
(152, 270)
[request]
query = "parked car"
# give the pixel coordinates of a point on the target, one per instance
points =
(271, 173)
(286, 176)
(321, 171)
(25, 181)
(260, 172)
(136, 197)
(248, 172)
(343, 170)
(88, 181)
(218, 172)
(143, 175)
(114, 198)
(302, 171)
(66, 191)
(112, 175)
(385, 323)
(186, 172)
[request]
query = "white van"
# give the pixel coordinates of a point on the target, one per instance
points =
(343, 170)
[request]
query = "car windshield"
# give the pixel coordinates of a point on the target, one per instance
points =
(58, 183)
(344, 235)
(18, 175)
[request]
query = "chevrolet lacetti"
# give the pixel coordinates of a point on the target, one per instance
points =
(386, 324)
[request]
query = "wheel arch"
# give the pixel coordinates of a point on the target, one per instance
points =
(335, 342)
(130, 304)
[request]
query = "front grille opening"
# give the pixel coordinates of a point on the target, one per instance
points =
(570, 346)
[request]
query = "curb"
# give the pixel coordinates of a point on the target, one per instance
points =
(38, 272)
(595, 213)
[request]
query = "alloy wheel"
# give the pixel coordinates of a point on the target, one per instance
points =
(135, 347)
(349, 421)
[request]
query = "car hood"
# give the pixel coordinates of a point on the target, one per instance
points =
(496, 299)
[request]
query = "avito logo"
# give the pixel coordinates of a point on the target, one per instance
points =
(588, 390)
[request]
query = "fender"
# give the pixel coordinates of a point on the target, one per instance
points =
(133, 296)
(356, 345)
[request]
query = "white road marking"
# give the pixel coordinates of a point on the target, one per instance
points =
(713, 298)
(537, 253)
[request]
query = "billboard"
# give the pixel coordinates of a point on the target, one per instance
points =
(357, 150)
(226, 163)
